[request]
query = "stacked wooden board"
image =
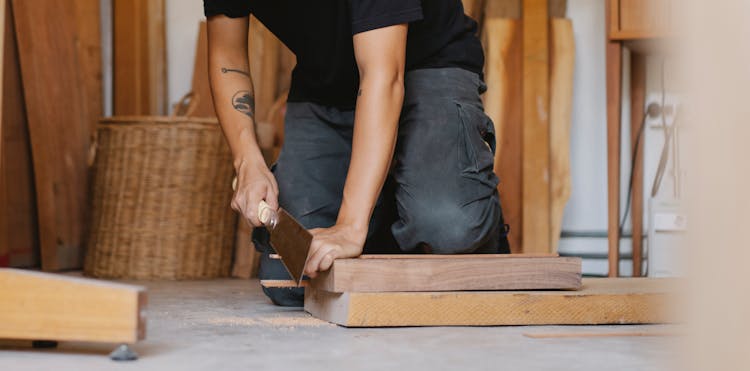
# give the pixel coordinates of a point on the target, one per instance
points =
(478, 290)
(600, 301)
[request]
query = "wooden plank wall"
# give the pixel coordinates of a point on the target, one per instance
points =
(18, 224)
(140, 85)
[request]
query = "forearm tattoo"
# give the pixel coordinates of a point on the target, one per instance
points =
(227, 70)
(244, 102)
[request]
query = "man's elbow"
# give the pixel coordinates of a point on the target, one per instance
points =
(390, 80)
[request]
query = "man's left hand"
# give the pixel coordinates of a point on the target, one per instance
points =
(333, 243)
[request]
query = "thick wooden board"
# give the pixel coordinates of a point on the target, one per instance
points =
(18, 214)
(637, 103)
(60, 135)
(600, 301)
(43, 306)
(452, 273)
(562, 65)
(614, 84)
(140, 86)
(502, 102)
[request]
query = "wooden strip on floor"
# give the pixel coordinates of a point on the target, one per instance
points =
(44, 306)
(391, 273)
(600, 301)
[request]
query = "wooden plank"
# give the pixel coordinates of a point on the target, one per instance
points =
(614, 84)
(502, 102)
(201, 86)
(637, 107)
(458, 272)
(561, 109)
(502, 9)
(600, 301)
(43, 306)
(139, 48)
(18, 216)
(59, 135)
(4, 249)
(89, 48)
(536, 139)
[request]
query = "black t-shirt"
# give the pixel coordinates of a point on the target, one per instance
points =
(319, 33)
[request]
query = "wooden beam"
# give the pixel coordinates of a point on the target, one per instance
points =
(140, 85)
(637, 108)
(600, 301)
(60, 134)
(614, 105)
(536, 131)
(502, 102)
(43, 306)
(383, 273)
(562, 65)
(18, 215)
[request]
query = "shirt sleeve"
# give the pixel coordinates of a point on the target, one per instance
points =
(229, 8)
(373, 14)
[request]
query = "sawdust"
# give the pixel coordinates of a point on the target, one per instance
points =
(234, 321)
(294, 321)
(290, 322)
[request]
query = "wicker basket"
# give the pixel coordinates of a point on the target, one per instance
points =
(161, 195)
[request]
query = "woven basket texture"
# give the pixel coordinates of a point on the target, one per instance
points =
(160, 202)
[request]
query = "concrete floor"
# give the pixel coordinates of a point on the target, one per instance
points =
(229, 324)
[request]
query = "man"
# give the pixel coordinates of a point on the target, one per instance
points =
(387, 147)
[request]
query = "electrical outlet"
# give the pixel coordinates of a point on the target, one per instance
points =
(671, 107)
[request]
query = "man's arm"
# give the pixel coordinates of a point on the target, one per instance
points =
(232, 90)
(381, 58)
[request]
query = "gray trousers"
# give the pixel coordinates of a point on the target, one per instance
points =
(441, 193)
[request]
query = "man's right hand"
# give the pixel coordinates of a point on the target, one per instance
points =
(255, 182)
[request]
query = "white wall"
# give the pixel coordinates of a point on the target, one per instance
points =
(182, 34)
